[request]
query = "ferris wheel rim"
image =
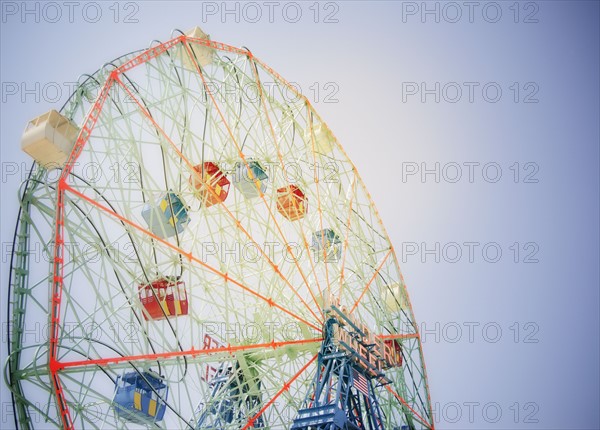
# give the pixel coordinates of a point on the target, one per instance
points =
(312, 112)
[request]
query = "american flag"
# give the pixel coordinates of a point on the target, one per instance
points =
(360, 382)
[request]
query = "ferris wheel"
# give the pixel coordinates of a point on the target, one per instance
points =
(194, 249)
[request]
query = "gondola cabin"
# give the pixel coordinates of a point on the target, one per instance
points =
(393, 353)
(326, 245)
(163, 298)
(250, 179)
(292, 202)
(49, 139)
(319, 138)
(201, 53)
(167, 217)
(210, 183)
(140, 397)
(393, 297)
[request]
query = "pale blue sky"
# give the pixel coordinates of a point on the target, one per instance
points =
(361, 64)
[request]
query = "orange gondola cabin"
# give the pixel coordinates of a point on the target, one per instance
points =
(163, 298)
(291, 202)
(210, 183)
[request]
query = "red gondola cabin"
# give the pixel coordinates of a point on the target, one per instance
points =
(210, 183)
(291, 202)
(393, 353)
(169, 299)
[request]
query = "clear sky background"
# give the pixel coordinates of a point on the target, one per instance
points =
(475, 126)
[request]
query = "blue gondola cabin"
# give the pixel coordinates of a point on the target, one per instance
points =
(326, 246)
(163, 298)
(168, 217)
(250, 179)
(140, 397)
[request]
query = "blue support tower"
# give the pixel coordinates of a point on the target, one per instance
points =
(343, 395)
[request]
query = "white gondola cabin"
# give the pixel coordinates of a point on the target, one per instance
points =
(49, 139)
